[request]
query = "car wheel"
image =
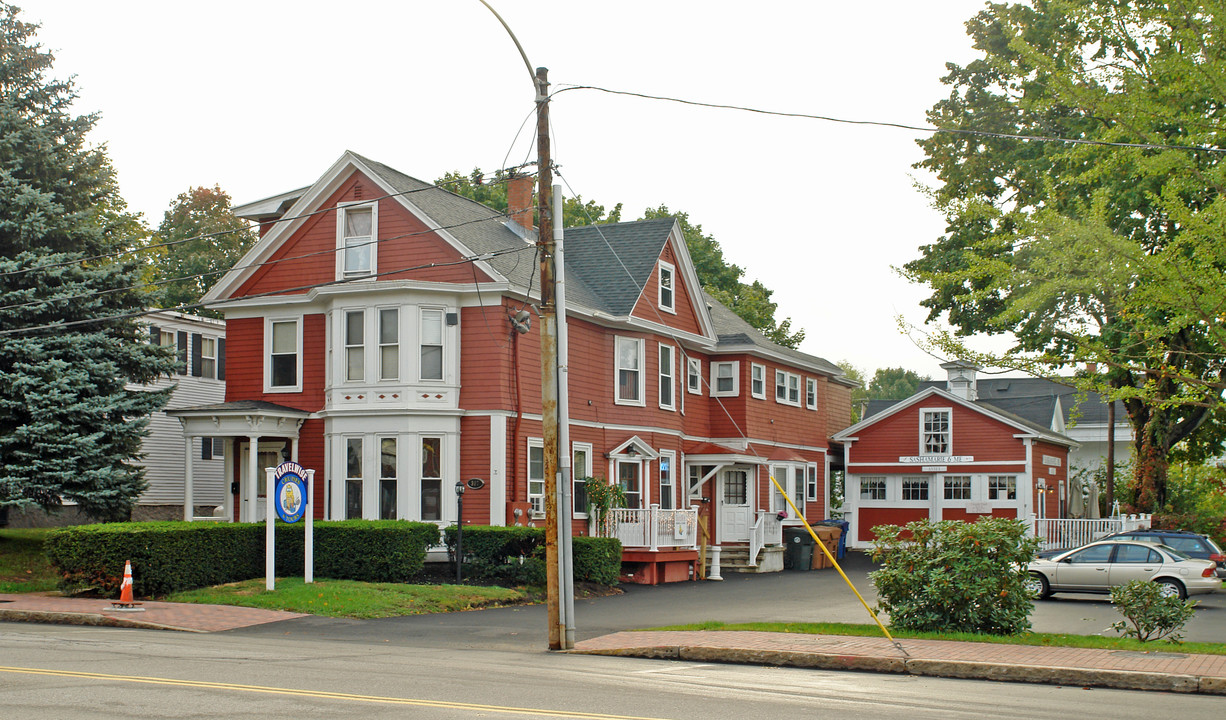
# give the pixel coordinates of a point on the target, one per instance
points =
(1038, 586)
(1172, 588)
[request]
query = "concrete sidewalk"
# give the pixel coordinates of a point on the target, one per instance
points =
(1173, 672)
(1129, 670)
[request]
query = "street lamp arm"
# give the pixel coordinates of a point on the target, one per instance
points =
(524, 55)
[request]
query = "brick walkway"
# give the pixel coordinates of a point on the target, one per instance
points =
(1177, 672)
(156, 615)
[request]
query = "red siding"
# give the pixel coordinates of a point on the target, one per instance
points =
(872, 517)
(974, 434)
(648, 305)
(475, 463)
(953, 513)
(311, 455)
(245, 364)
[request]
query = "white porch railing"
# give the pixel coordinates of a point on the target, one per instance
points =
(766, 530)
(651, 527)
(1068, 533)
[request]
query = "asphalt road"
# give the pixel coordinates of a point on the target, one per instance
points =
(54, 672)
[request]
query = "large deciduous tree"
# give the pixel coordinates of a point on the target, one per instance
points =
(751, 301)
(1108, 247)
(199, 239)
(68, 427)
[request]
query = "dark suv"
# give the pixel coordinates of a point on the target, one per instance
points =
(1197, 546)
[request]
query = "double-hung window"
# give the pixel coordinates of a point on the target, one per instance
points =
(787, 388)
(284, 363)
(431, 478)
(934, 432)
(356, 230)
(757, 381)
(208, 357)
(629, 371)
(668, 385)
(693, 379)
(389, 344)
(668, 492)
(724, 378)
(580, 471)
(811, 393)
(667, 294)
(811, 482)
(353, 478)
(387, 478)
(536, 477)
(431, 344)
(355, 345)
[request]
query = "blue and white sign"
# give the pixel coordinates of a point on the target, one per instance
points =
(290, 494)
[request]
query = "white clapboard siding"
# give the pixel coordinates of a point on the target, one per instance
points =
(164, 447)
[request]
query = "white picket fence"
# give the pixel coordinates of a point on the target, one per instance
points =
(1067, 533)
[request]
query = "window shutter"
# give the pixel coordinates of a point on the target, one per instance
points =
(206, 448)
(221, 358)
(155, 335)
(182, 338)
(197, 354)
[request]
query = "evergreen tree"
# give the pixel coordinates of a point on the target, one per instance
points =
(68, 427)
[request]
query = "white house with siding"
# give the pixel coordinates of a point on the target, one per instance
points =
(199, 380)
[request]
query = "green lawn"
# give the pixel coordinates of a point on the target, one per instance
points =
(23, 567)
(351, 599)
(1048, 639)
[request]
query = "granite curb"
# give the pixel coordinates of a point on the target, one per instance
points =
(963, 669)
(78, 618)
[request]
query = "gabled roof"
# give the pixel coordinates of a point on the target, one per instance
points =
(1020, 423)
(736, 335)
(1030, 398)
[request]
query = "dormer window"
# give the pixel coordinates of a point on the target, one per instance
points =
(356, 231)
(667, 296)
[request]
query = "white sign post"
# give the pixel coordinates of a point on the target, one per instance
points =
(290, 488)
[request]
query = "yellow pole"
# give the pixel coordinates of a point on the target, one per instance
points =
(834, 562)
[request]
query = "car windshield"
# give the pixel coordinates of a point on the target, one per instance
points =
(1179, 554)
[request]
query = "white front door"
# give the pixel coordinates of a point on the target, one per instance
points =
(735, 501)
(269, 457)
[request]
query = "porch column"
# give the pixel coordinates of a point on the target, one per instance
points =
(227, 475)
(293, 449)
(188, 491)
(253, 479)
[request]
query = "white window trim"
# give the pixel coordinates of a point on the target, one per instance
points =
(642, 371)
(971, 493)
(863, 480)
(736, 378)
(421, 324)
(949, 431)
(671, 456)
(347, 347)
(575, 447)
(902, 482)
(341, 210)
(205, 357)
(268, 386)
(693, 368)
(811, 482)
(754, 369)
(671, 375)
(534, 443)
(787, 378)
(672, 274)
(379, 345)
(811, 393)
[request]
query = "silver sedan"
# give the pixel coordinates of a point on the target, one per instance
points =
(1099, 566)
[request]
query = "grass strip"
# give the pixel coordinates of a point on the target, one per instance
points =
(352, 599)
(23, 566)
(1042, 639)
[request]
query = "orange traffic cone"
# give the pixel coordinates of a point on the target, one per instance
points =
(125, 591)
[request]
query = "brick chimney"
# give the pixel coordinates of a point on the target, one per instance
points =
(961, 379)
(519, 200)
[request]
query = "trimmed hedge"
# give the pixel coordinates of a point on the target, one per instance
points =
(171, 556)
(516, 555)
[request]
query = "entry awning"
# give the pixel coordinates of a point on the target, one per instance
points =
(241, 418)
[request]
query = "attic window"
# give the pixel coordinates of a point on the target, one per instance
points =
(667, 296)
(356, 233)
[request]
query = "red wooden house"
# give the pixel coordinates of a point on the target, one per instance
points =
(945, 454)
(376, 334)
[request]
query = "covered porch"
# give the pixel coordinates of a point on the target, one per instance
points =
(255, 435)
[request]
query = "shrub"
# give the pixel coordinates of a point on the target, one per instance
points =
(171, 556)
(1148, 614)
(952, 576)
(516, 555)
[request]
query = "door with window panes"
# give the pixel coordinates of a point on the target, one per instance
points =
(735, 499)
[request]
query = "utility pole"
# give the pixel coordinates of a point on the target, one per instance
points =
(549, 355)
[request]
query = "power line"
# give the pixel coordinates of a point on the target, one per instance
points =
(901, 126)
(270, 293)
(155, 246)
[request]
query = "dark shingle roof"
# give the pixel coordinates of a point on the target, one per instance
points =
(614, 262)
(1034, 398)
(733, 331)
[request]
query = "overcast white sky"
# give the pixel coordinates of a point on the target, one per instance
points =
(262, 97)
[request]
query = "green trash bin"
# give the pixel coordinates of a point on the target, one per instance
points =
(798, 549)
